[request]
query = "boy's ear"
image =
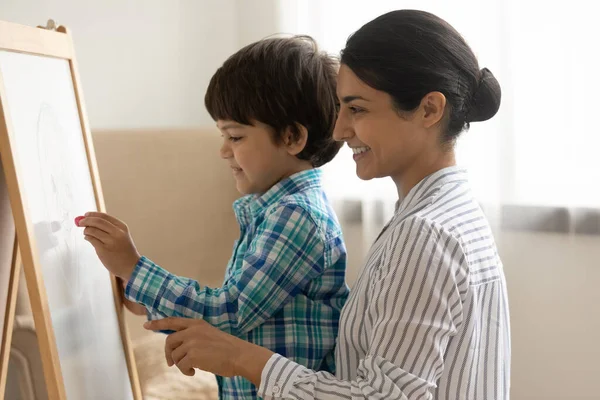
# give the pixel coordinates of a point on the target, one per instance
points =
(295, 142)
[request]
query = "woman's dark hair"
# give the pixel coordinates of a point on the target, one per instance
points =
(281, 82)
(409, 53)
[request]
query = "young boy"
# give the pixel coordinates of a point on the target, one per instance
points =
(274, 102)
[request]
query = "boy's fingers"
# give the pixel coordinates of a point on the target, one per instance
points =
(115, 221)
(98, 234)
(99, 223)
(95, 242)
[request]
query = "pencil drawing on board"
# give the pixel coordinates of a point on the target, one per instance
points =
(58, 200)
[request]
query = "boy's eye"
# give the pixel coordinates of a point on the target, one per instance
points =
(234, 139)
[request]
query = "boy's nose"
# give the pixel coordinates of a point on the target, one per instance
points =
(225, 151)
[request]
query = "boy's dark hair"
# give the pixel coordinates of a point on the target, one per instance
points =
(281, 82)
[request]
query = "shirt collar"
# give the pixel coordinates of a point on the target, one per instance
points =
(252, 205)
(430, 184)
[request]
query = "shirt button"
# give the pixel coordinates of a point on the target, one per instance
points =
(276, 389)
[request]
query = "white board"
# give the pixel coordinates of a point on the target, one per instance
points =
(50, 155)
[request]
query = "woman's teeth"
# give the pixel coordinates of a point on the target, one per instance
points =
(359, 150)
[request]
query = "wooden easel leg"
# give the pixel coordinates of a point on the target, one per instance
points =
(9, 317)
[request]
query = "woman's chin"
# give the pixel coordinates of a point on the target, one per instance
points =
(364, 175)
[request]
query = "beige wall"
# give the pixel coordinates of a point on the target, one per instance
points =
(176, 195)
(554, 294)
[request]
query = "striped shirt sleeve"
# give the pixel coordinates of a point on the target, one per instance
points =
(418, 291)
(286, 254)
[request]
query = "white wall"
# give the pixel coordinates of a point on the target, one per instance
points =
(256, 20)
(147, 63)
(143, 63)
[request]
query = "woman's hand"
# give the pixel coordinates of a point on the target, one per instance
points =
(197, 344)
(112, 242)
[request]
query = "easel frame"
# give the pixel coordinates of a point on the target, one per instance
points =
(49, 41)
(9, 316)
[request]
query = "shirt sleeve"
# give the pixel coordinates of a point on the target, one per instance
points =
(418, 292)
(286, 254)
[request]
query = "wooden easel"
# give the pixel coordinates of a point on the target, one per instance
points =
(13, 284)
(50, 41)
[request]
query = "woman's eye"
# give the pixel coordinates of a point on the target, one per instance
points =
(355, 110)
(235, 139)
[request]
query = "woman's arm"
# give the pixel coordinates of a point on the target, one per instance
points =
(417, 309)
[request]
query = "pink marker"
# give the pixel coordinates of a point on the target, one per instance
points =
(78, 219)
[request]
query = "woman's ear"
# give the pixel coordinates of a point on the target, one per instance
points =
(433, 106)
(295, 139)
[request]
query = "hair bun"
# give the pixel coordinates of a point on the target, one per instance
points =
(486, 99)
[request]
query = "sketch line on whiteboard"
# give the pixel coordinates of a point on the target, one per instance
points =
(64, 242)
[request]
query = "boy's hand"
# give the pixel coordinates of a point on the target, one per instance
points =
(112, 241)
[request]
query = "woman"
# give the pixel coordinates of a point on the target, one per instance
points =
(428, 317)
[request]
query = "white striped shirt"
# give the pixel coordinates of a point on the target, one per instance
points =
(428, 317)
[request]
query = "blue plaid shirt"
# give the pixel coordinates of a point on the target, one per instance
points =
(284, 284)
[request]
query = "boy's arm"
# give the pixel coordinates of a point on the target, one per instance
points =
(134, 308)
(286, 254)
